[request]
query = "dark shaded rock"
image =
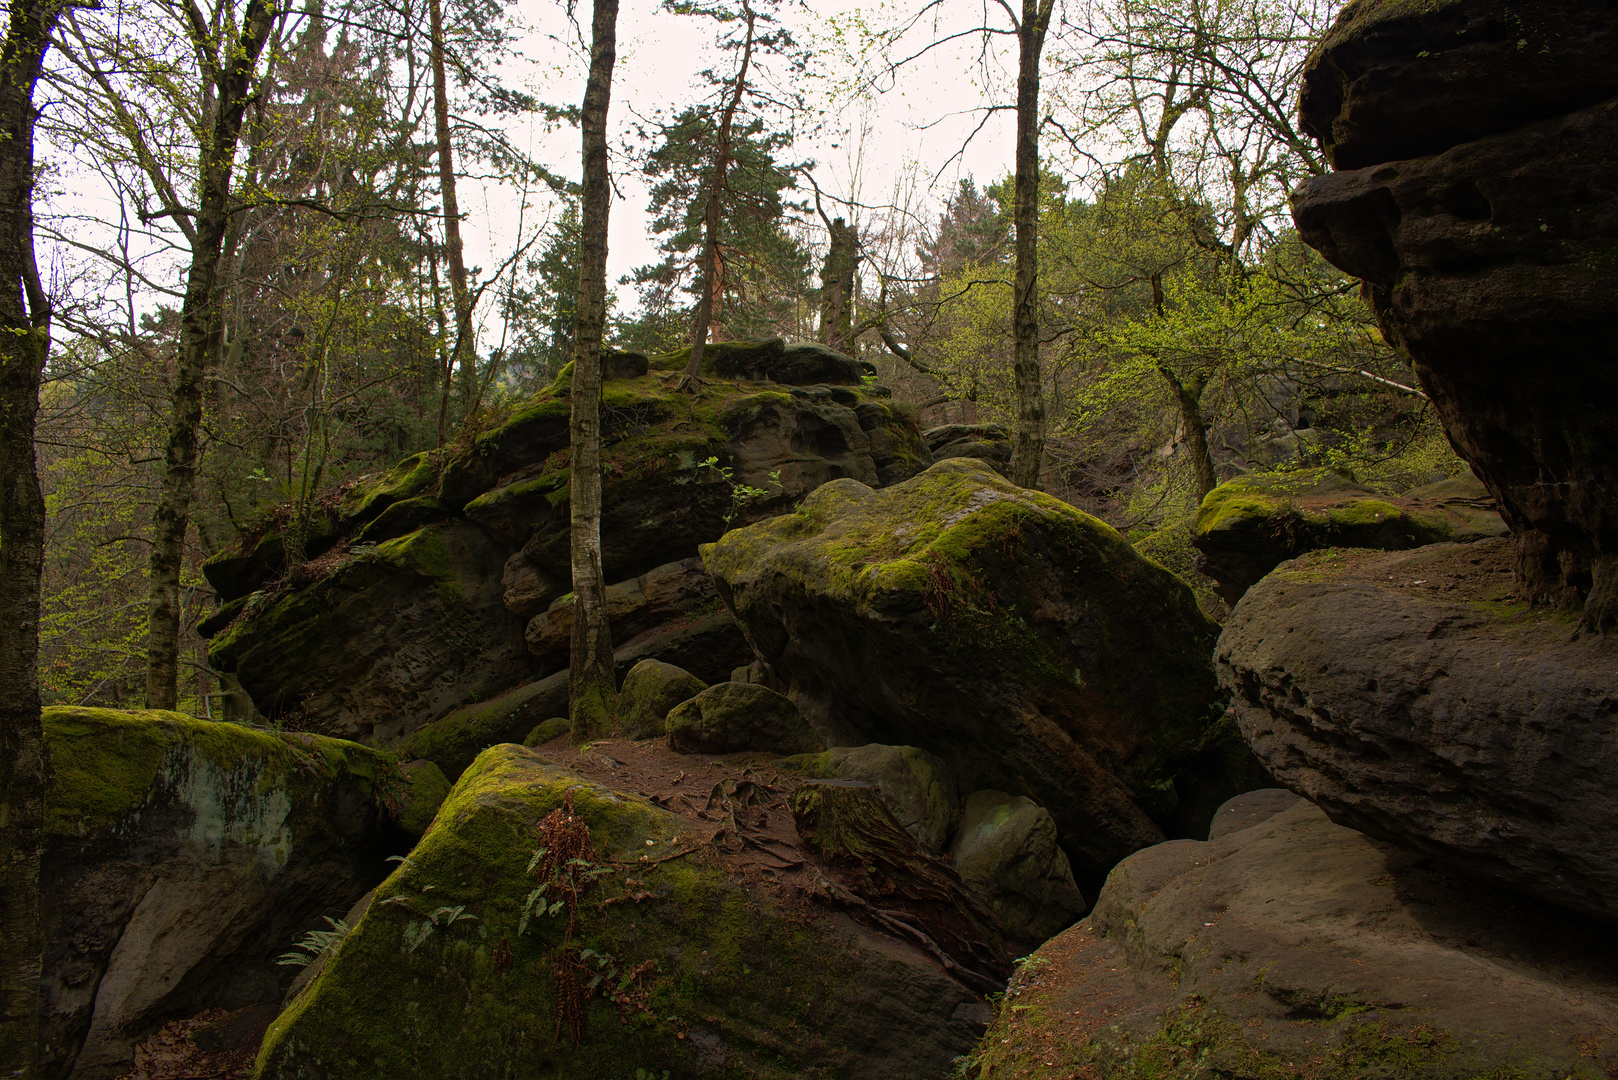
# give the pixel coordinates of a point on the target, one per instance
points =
(633, 607)
(709, 647)
(773, 995)
(1491, 261)
(1297, 948)
(989, 443)
(222, 618)
(649, 691)
(402, 518)
(1248, 809)
(182, 857)
(245, 566)
(389, 640)
(727, 359)
(528, 590)
(1022, 641)
(1247, 527)
(623, 365)
(808, 364)
(425, 792)
(917, 787)
(1414, 698)
(731, 716)
(1394, 79)
(1006, 849)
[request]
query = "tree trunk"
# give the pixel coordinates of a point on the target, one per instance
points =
(460, 294)
(1028, 440)
(25, 316)
(837, 288)
(709, 272)
(1189, 400)
(592, 685)
(201, 338)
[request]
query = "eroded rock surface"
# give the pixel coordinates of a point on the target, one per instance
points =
(182, 857)
(1021, 640)
(1414, 697)
(1298, 948)
(1478, 201)
(1006, 849)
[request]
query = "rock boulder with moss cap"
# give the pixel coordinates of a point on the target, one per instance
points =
(1248, 526)
(1416, 697)
(1019, 639)
(444, 976)
(1006, 849)
(182, 857)
(917, 787)
(1300, 950)
(729, 716)
(649, 691)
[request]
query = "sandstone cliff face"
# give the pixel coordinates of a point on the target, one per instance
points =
(1478, 201)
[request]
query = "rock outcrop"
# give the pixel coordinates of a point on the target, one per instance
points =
(1477, 143)
(1413, 697)
(417, 596)
(649, 691)
(917, 787)
(732, 716)
(1006, 849)
(1295, 949)
(450, 973)
(1021, 640)
(182, 857)
(1247, 527)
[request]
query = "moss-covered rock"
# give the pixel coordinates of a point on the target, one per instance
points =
(425, 791)
(444, 977)
(389, 639)
(726, 359)
(917, 787)
(1247, 527)
(182, 856)
(1021, 640)
(649, 691)
(729, 716)
(1006, 849)
(368, 497)
(633, 607)
(550, 729)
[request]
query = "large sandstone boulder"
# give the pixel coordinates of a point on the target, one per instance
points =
(733, 716)
(1006, 849)
(445, 975)
(649, 691)
(1021, 640)
(1478, 142)
(1248, 526)
(418, 601)
(1413, 697)
(917, 787)
(1299, 949)
(182, 857)
(633, 607)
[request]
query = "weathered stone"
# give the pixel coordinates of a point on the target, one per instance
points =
(808, 364)
(1299, 949)
(182, 857)
(916, 786)
(402, 518)
(726, 359)
(387, 641)
(1490, 261)
(550, 729)
(1021, 640)
(737, 984)
(528, 591)
(425, 792)
(730, 716)
(649, 691)
(1248, 809)
(623, 365)
(1247, 527)
(1006, 849)
(989, 443)
(633, 606)
(1413, 697)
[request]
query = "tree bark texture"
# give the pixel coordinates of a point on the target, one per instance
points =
(25, 315)
(454, 255)
(837, 288)
(710, 270)
(1189, 400)
(201, 338)
(592, 685)
(1028, 439)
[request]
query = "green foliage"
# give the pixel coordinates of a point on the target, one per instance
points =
(740, 494)
(316, 944)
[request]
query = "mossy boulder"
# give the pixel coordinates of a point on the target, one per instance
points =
(426, 789)
(550, 729)
(649, 691)
(1019, 639)
(182, 857)
(445, 977)
(1298, 949)
(729, 716)
(989, 443)
(807, 363)
(726, 359)
(917, 787)
(391, 638)
(1247, 527)
(633, 607)
(1006, 849)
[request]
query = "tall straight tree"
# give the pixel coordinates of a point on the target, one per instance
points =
(25, 327)
(592, 685)
(1028, 437)
(460, 295)
(229, 64)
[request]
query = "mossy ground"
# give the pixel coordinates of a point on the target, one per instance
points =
(439, 981)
